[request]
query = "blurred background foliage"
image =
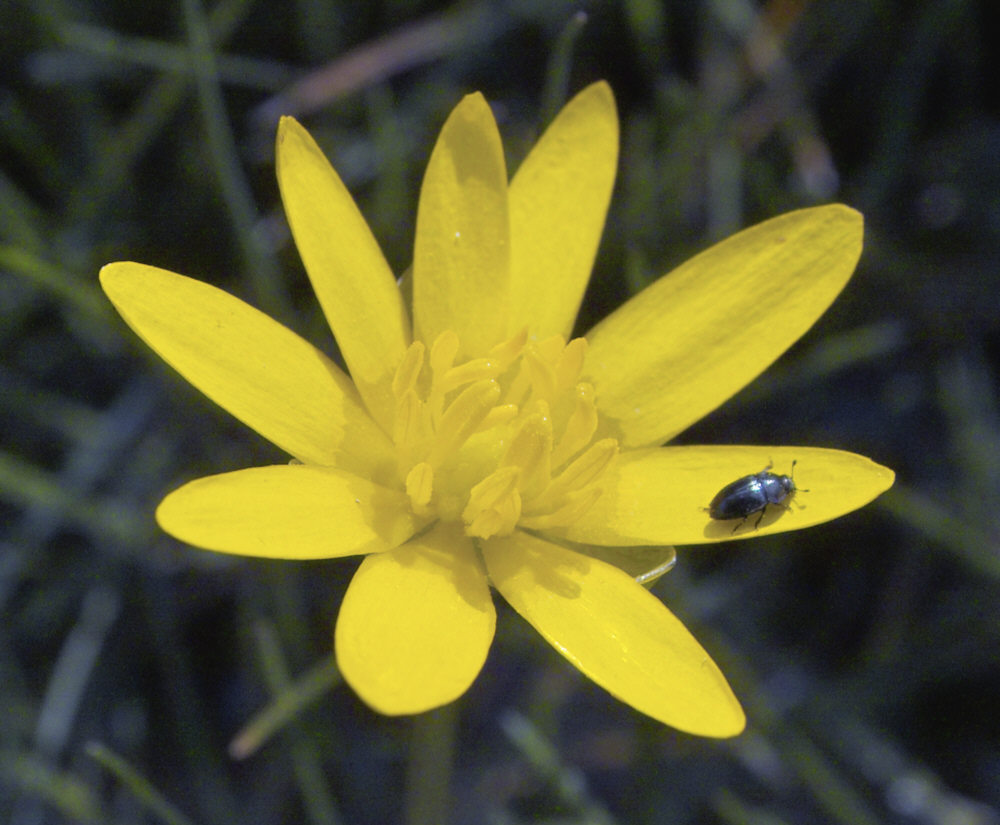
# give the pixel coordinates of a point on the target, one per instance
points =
(144, 681)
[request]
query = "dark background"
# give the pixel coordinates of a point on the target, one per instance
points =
(865, 650)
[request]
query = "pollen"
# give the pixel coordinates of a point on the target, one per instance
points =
(499, 441)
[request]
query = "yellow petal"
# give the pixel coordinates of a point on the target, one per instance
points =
(615, 632)
(690, 340)
(416, 624)
(558, 201)
(660, 496)
(261, 372)
(288, 512)
(461, 253)
(351, 278)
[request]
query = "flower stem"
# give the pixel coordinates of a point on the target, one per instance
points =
(428, 775)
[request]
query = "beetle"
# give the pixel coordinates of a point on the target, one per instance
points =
(753, 494)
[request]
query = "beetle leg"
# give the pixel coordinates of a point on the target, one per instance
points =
(760, 518)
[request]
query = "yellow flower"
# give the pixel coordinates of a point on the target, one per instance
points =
(472, 444)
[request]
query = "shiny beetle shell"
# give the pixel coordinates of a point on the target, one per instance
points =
(752, 494)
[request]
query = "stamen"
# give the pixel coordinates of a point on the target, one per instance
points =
(540, 374)
(494, 504)
(409, 429)
(443, 352)
(497, 417)
(586, 470)
(462, 418)
(475, 370)
(507, 352)
(576, 504)
(531, 450)
(419, 487)
(570, 364)
(520, 386)
(408, 370)
(580, 427)
(551, 348)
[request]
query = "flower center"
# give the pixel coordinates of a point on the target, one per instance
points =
(499, 441)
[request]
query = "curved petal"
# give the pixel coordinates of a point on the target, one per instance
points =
(416, 624)
(690, 340)
(660, 496)
(644, 563)
(288, 512)
(249, 364)
(461, 253)
(558, 201)
(615, 632)
(351, 278)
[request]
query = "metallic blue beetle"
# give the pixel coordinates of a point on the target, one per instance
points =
(752, 494)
